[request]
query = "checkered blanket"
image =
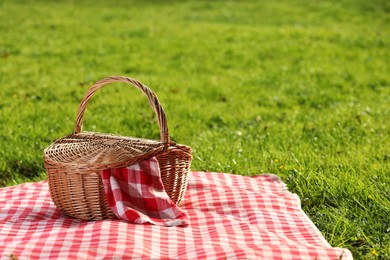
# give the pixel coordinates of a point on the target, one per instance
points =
(231, 217)
(136, 194)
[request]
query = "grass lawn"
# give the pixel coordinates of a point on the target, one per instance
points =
(296, 88)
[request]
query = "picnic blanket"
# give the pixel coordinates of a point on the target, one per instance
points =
(230, 217)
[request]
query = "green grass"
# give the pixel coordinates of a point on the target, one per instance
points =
(296, 88)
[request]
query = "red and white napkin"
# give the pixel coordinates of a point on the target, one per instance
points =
(136, 194)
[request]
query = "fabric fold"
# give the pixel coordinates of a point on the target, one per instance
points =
(136, 194)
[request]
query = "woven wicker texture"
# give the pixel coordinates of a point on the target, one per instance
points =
(73, 163)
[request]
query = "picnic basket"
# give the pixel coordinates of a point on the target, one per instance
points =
(73, 163)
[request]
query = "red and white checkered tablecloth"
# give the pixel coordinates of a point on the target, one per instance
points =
(230, 217)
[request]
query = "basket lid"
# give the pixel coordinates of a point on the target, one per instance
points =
(101, 150)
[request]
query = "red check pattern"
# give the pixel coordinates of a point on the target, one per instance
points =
(231, 216)
(136, 194)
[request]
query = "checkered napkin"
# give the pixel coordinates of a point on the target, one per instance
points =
(136, 194)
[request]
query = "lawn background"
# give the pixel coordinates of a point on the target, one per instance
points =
(296, 88)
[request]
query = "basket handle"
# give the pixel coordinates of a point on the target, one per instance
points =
(153, 101)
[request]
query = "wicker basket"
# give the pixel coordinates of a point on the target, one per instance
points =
(73, 163)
